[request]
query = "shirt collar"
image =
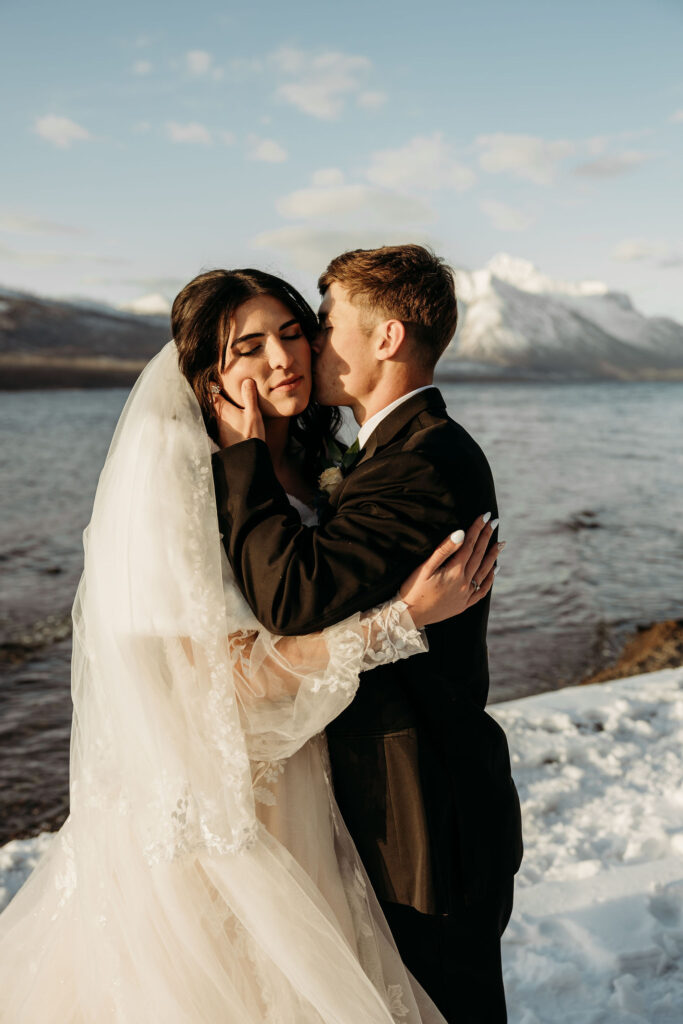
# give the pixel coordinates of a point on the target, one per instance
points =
(370, 425)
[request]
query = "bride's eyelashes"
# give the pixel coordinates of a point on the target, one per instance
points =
(257, 348)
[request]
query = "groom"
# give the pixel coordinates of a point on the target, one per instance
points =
(421, 772)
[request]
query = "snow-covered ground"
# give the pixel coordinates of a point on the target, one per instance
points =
(596, 936)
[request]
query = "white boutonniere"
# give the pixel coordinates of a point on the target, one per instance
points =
(330, 478)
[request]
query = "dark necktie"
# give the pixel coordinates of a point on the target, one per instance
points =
(349, 457)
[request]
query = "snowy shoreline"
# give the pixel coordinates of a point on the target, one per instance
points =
(596, 935)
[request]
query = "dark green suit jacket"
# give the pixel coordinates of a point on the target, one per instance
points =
(421, 772)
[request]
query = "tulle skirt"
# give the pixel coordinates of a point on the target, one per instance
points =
(287, 931)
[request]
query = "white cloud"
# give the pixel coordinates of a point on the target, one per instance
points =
(632, 250)
(141, 67)
(426, 162)
(198, 62)
(190, 132)
(228, 138)
(45, 258)
(26, 224)
(328, 176)
(60, 131)
(320, 85)
(341, 200)
(504, 217)
(597, 144)
(164, 285)
(246, 65)
(142, 128)
(637, 250)
(311, 249)
(371, 100)
(53, 257)
(525, 156)
(286, 59)
(612, 166)
(677, 116)
(267, 150)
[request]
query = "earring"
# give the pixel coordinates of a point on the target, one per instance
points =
(215, 389)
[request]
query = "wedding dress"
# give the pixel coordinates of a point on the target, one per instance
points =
(204, 874)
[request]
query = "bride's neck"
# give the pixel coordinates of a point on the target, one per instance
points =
(287, 467)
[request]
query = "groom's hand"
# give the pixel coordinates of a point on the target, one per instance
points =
(239, 422)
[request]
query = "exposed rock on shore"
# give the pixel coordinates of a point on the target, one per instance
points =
(650, 648)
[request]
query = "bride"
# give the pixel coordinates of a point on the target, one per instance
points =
(204, 873)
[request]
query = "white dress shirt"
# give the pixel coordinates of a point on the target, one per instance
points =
(374, 421)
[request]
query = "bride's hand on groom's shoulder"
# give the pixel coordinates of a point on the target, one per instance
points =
(238, 423)
(456, 576)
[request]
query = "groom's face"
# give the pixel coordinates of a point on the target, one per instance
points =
(344, 364)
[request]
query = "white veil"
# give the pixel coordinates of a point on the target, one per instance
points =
(164, 897)
(156, 726)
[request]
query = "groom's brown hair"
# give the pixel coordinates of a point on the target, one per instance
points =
(402, 282)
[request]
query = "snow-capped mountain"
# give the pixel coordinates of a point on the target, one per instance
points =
(51, 343)
(33, 324)
(515, 320)
(148, 305)
(514, 323)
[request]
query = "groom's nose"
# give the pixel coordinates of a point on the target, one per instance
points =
(317, 343)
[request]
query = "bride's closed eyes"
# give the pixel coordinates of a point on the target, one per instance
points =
(268, 345)
(298, 333)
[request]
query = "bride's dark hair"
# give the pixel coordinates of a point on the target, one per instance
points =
(200, 321)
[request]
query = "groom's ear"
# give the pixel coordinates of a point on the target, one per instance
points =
(391, 335)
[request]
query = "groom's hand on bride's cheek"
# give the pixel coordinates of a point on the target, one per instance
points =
(239, 422)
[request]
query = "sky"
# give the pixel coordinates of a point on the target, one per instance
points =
(146, 142)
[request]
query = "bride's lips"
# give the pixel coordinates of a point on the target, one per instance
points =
(289, 384)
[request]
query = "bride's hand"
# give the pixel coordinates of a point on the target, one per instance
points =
(239, 423)
(457, 575)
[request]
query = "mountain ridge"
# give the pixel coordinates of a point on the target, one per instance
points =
(515, 320)
(48, 343)
(515, 324)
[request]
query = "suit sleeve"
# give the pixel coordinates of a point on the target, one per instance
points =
(393, 511)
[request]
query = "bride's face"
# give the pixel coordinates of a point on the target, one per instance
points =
(266, 343)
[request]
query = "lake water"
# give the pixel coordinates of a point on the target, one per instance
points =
(590, 488)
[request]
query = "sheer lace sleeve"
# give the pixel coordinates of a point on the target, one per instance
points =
(289, 688)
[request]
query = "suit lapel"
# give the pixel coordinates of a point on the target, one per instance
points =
(393, 424)
(387, 431)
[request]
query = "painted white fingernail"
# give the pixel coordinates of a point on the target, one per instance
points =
(494, 524)
(458, 536)
(486, 517)
(501, 544)
(495, 571)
